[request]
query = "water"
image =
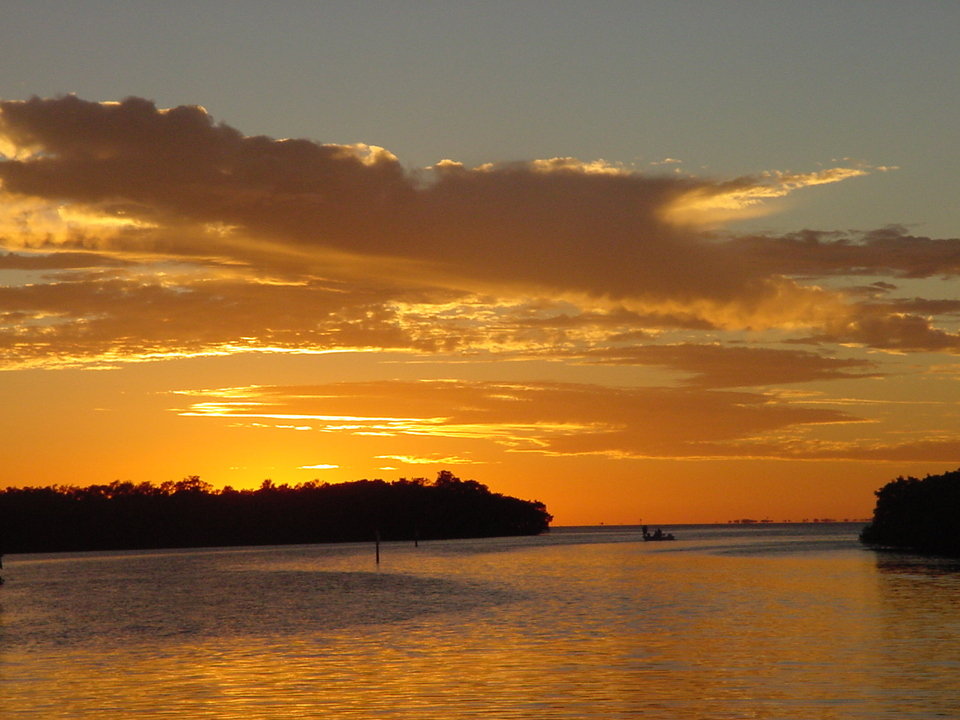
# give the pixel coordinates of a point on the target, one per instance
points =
(793, 621)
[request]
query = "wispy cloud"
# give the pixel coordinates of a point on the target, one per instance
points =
(429, 459)
(746, 196)
(578, 419)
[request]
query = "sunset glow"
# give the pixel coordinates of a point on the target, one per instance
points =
(622, 329)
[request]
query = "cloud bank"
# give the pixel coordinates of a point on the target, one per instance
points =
(139, 233)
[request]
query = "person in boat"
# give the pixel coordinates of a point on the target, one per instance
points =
(658, 534)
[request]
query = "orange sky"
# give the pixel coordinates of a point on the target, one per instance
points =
(179, 298)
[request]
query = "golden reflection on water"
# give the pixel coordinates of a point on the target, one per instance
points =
(567, 631)
(921, 630)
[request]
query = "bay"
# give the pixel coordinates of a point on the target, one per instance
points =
(765, 621)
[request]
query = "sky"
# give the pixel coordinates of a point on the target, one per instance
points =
(651, 262)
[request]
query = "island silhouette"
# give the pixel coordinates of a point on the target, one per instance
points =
(919, 515)
(191, 513)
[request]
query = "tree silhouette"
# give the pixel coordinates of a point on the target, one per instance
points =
(918, 515)
(191, 513)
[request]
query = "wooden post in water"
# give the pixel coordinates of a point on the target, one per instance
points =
(377, 535)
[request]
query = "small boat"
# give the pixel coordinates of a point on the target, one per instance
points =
(657, 535)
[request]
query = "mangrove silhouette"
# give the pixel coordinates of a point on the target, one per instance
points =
(917, 515)
(191, 513)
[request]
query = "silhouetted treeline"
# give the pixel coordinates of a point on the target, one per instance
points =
(190, 513)
(921, 515)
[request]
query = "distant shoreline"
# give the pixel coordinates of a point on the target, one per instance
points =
(727, 523)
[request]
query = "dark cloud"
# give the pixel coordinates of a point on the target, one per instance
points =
(561, 226)
(725, 366)
(618, 318)
(888, 251)
(921, 305)
(58, 261)
(892, 331)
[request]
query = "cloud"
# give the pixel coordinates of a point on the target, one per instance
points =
(895, 331)
(198, 239)
(745, 196)
(921, 305)
(568, 419)
(559, 224)
(888, 251)
(58, 261)
(544, 418)
(107, 319)
(941, 450)
(429, 460)
(617, 318)
(720, 366)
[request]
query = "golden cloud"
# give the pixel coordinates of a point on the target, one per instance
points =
(545, 418)
(200, 240)
(745, 197)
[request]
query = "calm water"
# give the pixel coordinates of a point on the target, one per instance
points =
(790, 621)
